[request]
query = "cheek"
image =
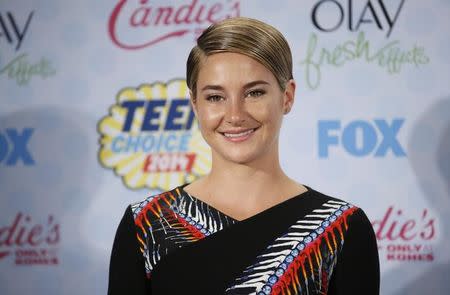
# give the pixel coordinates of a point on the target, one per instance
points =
(208, 118)
(270, 113)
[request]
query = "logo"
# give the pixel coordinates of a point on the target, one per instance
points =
(361, 138)
(20, 68)
(405, 237)
(154, 23)
(364, 14)
(31, 243)
(14, 147)
(328, 16)
(151, 138)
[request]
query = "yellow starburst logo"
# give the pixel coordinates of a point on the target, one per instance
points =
(150, 137)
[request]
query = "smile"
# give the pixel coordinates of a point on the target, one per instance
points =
(238, 136)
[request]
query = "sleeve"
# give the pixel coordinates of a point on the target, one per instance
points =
(357, 270)
(127, 269)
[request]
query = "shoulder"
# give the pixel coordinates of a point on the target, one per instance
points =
(324, 197)
(156, 205)
(349, 214)
(156, 221)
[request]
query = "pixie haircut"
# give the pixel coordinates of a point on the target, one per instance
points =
(246, 36)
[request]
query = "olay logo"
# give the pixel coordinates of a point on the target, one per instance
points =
(13, 29)
(139, 24)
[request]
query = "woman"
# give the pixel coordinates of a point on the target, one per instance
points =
(246, 227)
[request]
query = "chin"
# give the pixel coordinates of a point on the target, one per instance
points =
(240, 157)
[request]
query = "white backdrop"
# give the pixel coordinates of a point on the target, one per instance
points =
(370, 125)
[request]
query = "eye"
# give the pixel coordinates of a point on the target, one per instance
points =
(256, 93)
(214, 98)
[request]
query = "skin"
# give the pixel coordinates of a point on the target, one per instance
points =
(240, 107)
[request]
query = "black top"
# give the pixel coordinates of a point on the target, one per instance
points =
(174, 243)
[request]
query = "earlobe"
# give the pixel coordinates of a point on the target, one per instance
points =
(289, 95)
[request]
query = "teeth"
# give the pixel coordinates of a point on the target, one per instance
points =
(238, 134)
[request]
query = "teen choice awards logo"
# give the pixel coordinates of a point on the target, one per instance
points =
(150, 137)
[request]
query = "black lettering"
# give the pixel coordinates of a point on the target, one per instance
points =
(365, 20)
(314, 16)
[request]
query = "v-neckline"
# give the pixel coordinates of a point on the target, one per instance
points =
(263, 212)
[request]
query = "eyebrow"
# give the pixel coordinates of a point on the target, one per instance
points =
(248, 85)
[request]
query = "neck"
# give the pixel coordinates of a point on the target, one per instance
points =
(248, 174)
(253, 180)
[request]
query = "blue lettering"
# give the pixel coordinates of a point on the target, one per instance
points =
(131, 107)
(360, 138)
(390, 138)
(168, 142)
(184, 142)
(170, 146)
(148, 143)
(117, 144)
(133, 143)
(151, 114)
(19, 143)
(175, 114)
(325, 139)
(180, 115)
(368, 135)
(3, 147)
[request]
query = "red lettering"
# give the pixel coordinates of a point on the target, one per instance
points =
(7, 232)
(393, 226)
(53, 234)
(34, 237)
(407, 226)
(378, 226)
(198, 18)
(161, 11)
(140, 17)
(19, 241)
(428, 232)
(145, 16)
(235, 10)
(176, 162)
(22, 232)
(410, 257)
(184, 13)
(213, 11)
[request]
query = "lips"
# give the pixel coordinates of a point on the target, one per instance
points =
(238, 135)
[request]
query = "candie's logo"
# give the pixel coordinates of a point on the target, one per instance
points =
(151, 138)
(139, 24)
(406, 236)
(30, 242)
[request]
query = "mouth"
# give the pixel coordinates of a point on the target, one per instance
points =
(238, 135)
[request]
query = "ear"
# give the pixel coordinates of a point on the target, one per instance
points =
(289, 95)
(193, 102)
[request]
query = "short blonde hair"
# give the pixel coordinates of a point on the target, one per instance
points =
(247, 36)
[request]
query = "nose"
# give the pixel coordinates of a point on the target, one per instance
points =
(235, 113)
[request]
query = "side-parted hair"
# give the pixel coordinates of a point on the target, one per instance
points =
(247, 36)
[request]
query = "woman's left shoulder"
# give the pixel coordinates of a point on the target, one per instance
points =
(352, 213)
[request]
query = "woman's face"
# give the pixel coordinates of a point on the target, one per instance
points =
(239, 107)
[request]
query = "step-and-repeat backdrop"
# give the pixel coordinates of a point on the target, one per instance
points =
(94, 115)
